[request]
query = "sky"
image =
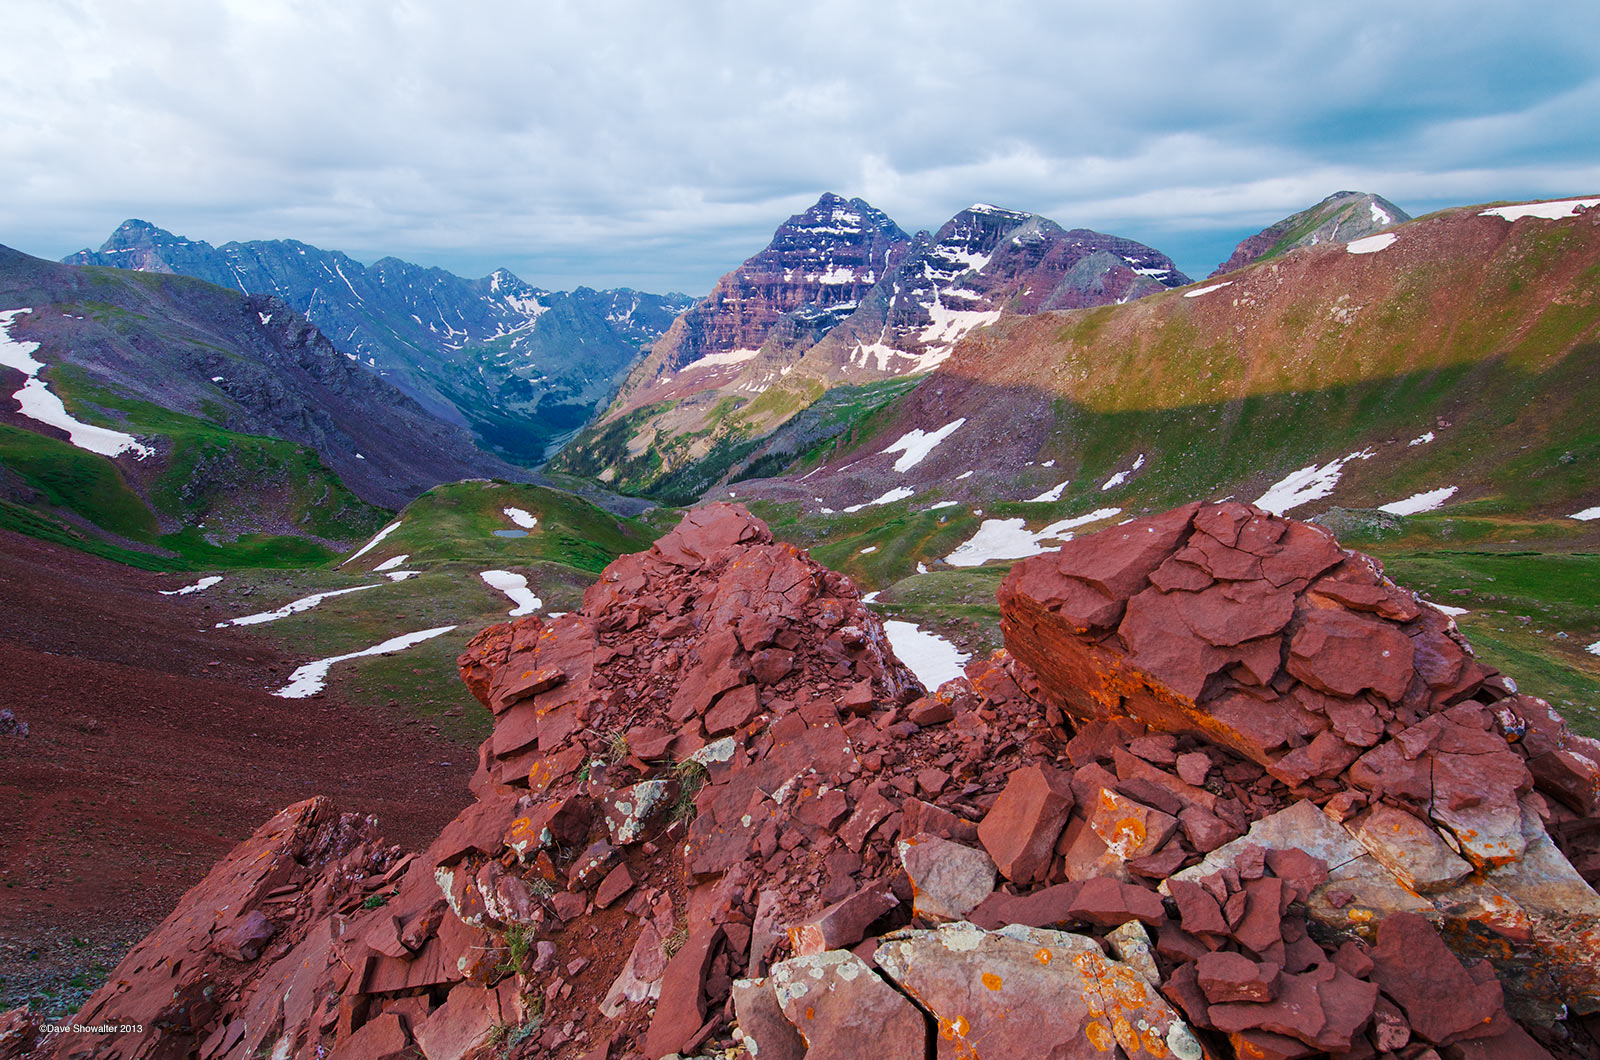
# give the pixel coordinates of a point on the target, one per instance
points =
(656, 145)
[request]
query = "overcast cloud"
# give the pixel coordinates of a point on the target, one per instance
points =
(655, 144)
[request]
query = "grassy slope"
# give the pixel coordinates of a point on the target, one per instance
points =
(1495, 353)
(447, 535)
(204, 472)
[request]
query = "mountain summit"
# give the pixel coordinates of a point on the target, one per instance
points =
(1343, 217)
(840, 297)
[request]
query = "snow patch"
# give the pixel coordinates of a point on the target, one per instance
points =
(1453, 612)
(521, 517)
(1207, 290)
(915, 444)
(871, 598)
(204, 583)
(1424, 439)
(1587, 514)
(869, 550)
(294, 607)
(376, 538)
(1549, 211)
(950, 324)
(1379, 215)
(266, 318)
(401, 575)
(1371, 244)
(899, 493)
(1010, 538)
(392, 562)
(38, 403)
(1308, 484)
(1419, 502)
(715, 360)
(941, 504)
(1051, 494)
(930, 657)
(309, 679)
(515, 586)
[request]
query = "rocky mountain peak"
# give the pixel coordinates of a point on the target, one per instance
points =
(1343, 217)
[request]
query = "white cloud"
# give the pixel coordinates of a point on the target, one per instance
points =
(659, 144)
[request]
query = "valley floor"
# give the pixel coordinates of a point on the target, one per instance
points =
(153, 747)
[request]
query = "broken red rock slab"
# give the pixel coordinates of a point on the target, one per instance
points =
(844, 1011)
(977, 982)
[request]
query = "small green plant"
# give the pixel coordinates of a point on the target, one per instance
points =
(375, 901)
(674, 942)
(541, 887)
(691, 777)
(519, 943)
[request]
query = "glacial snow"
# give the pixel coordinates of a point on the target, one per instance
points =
(1419, 502)
(515, 586)
(38, 403)
(916, 444)
(309, 679)
(930, 657)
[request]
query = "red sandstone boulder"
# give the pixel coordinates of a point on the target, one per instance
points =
(1020, 830)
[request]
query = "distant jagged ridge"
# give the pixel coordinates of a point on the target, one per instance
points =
(517, 364)
(1343, 217)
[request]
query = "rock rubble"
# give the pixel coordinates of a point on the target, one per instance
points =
(1227, 793)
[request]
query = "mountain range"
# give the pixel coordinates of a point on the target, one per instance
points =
(839, 297)
(517, 365)
(238, 417)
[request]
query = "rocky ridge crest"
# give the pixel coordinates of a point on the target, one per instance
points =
(713, 795)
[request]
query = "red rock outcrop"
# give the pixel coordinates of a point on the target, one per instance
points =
(706, 799)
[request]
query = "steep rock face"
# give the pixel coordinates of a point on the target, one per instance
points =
(1158, 891)
(822, 260)
(981, 263)
(480, 353)
(840, 296)
(1343, 217)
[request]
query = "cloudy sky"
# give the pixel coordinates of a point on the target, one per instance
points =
(656, 144)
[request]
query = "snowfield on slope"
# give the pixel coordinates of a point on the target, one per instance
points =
(1371, 244)
(1549, 211)
(522, 517)
(38, 403)
(899, 493)
(199, 586)
(515, 586)
(1010, 538)
(294, 607)
(370, 545)
(932, 658)
(1310, 483)
(1419, 502)
(309, 679)
(916, 444)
